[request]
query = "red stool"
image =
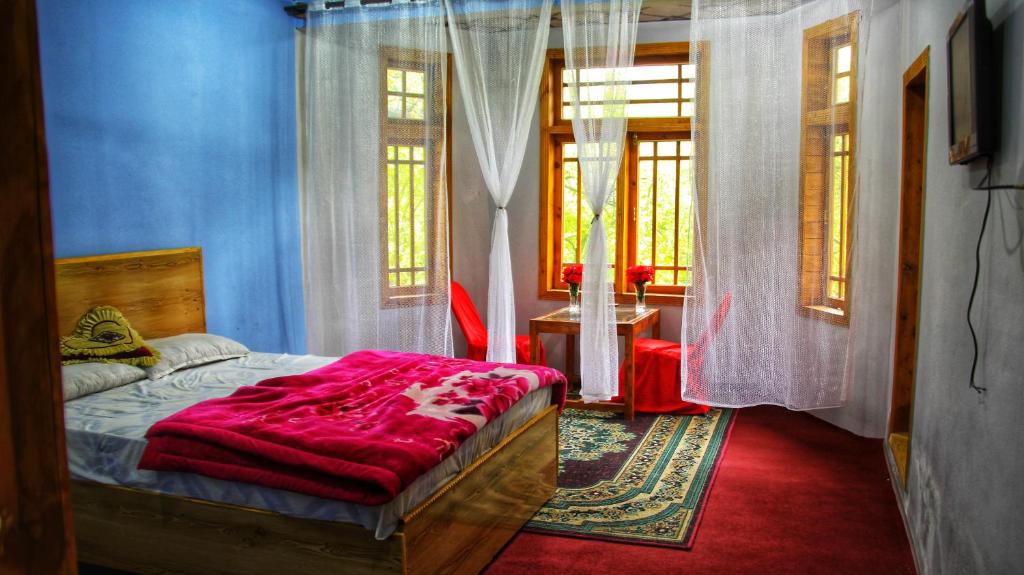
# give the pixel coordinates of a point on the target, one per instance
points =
(658, 365)
(476, 334)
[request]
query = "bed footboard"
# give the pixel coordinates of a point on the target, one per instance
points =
(457, 530)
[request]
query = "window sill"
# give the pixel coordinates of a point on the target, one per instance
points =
(412, 299)
(622, 298)
(825, 313)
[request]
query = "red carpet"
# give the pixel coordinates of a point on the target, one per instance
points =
(793, 495)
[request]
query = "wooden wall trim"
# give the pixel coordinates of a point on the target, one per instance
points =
(908, 277)
(36, 534)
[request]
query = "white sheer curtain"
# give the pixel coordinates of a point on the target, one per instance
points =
(770, 100)
(600, 38)
(374, 209)
(499, 57)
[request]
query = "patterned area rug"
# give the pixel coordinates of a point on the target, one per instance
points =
(642, 482)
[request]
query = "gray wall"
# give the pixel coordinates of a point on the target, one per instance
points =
(965, 501)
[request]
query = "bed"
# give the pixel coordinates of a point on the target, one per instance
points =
(451, 520)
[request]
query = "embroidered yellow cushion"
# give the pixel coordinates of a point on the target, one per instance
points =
(104, 335)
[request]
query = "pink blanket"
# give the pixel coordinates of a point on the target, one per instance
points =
(360, 429)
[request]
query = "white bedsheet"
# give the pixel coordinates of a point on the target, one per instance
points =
(106, 436)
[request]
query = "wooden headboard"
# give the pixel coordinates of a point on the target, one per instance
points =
(160, 292)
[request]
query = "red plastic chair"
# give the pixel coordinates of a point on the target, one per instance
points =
(476, 333)
(658, 365)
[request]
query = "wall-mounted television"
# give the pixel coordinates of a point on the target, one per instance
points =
(971, 78)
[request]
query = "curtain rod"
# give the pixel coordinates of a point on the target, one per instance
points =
(300, 9)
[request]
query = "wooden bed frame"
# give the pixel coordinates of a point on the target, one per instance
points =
(459, 529)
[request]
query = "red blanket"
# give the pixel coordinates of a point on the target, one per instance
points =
(360, 429)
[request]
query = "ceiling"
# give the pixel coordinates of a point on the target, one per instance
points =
(651, 11)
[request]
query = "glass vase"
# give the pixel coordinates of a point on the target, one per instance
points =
(574, 300)
(641, 298)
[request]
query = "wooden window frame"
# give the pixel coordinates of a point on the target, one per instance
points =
(633, 197)
(555, 131)
(821, 120)
(403, 132)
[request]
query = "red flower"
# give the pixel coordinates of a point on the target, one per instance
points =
(640, 274)
(572, 274)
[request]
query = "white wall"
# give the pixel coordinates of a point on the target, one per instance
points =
(865, 412)
(965, 498)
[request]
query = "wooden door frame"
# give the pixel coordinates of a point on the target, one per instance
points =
(913, 166)
(36, 530)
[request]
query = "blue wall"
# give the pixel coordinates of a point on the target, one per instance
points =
(172, 124)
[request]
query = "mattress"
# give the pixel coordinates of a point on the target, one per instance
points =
(106, 436)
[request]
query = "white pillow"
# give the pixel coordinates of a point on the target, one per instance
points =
(192, 349)
(82, 379)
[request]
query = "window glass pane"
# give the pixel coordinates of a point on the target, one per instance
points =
(686, 148)
(640, 73)
(687, 109)
(653, 91)
(414, 82)
(394, 106)
(665, 233)
(667, 148)
(586, 215)
(419, 211)
(392, 235)
(842, 90)
(591, 94)
(664, 277)
(689, 71)
(646, 148)
(833, 289)
(685, 221)
(587, 111)
(645, 210)
(404, 221)
(835, 216)
(587, 218)
(569, 151)
(414, 108)
(689, 90)
(662, 110)
(571, 248)
(395, 80)
(844, 57)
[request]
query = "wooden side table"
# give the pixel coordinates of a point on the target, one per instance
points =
(629, 325)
